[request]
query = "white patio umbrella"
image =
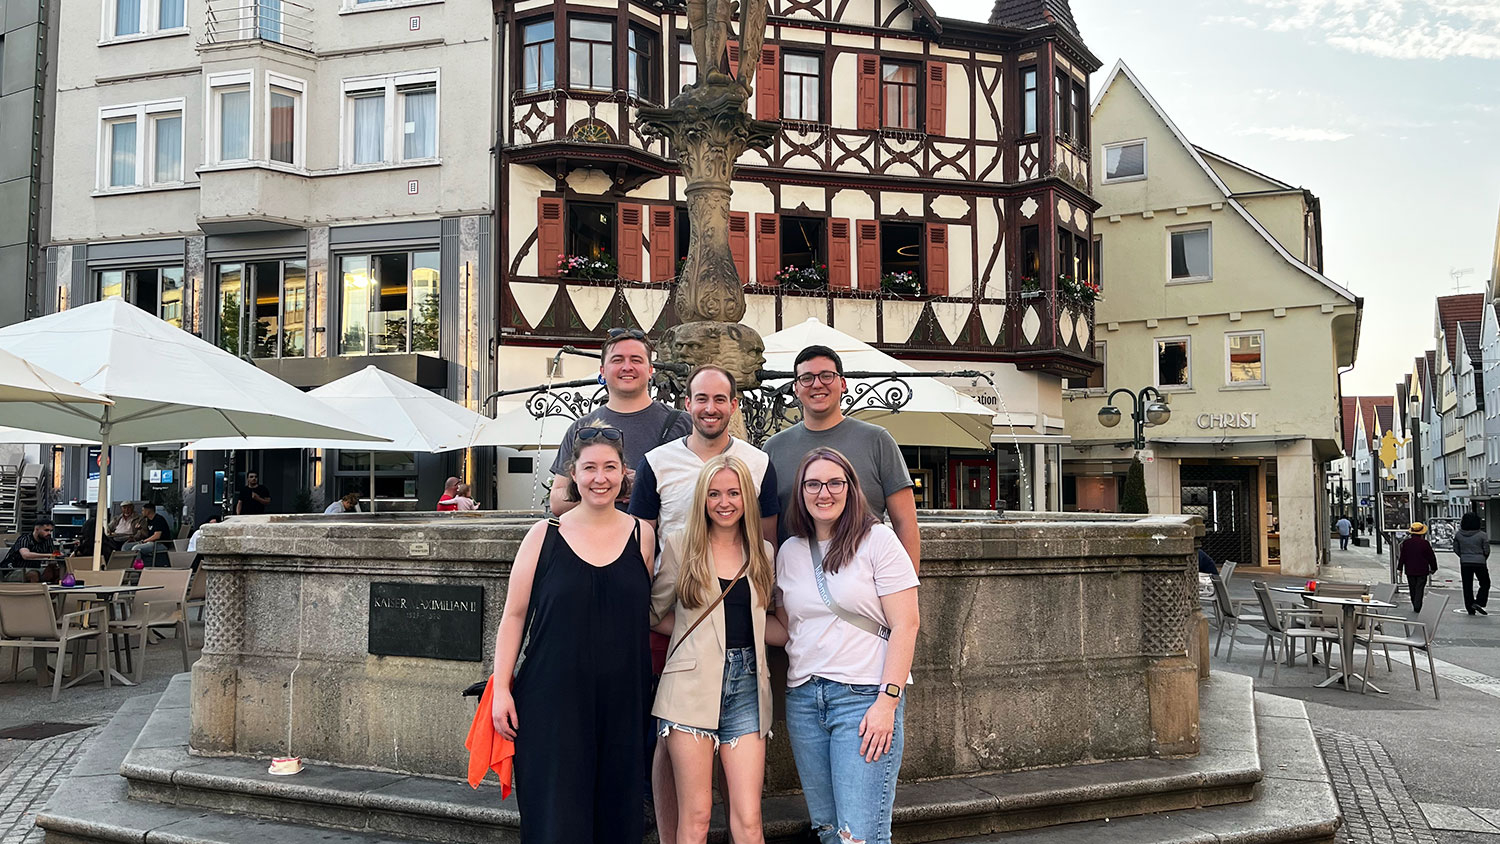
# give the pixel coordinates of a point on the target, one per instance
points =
(166, 384)
(22, 380)
(516, 428)
(936, 415)
(410, 417)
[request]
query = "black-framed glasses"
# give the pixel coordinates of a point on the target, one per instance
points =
(825, 378)
(614, 435)
(834, 487)
(631, 333)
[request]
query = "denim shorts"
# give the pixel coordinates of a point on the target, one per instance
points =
(739, 702)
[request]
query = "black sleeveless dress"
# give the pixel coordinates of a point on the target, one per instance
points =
(581, 698)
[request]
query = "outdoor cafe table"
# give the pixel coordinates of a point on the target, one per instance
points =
(1349, 607)
(113, 597)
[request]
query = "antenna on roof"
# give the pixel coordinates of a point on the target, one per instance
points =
(1456, 275)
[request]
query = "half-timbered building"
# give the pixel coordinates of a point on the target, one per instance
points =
(928, 192)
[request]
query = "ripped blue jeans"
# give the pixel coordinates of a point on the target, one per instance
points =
(849, 800)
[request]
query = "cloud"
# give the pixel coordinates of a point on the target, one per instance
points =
(1297, 133)
(1390, 29)
(1233, 20)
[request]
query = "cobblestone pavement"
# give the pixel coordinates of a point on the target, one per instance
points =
(29, 780)
(1377, 807)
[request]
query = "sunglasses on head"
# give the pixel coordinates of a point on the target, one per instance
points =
(614, 435)
(631, 333)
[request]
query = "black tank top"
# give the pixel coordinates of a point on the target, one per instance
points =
(739, 631)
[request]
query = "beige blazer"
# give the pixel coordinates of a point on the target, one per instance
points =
(693, 679)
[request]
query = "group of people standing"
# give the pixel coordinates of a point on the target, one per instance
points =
(1471, 544)
(722, 551)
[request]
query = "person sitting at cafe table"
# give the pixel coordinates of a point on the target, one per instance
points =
(158, 534)
(349, 503)
(86, 540)
(129, 526)
(33, 550)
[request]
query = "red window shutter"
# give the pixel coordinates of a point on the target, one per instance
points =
(838, 255)
(767, 247)
(629, 247)
(768, 84)
(937, 259)
(734, 60)
(869, 92)
(739, 243)
(868, 247)
(937, 98)
(663, 244)
(549, 235)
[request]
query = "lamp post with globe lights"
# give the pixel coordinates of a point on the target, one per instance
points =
(1148, 408)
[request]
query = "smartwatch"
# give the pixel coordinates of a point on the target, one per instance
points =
(891, 689)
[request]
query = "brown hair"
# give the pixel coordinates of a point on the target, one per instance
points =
(611, 340)
(696, 578)
(734, 389)
(571, 492)
(853, 524)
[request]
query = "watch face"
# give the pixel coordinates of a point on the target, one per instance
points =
(892, 689)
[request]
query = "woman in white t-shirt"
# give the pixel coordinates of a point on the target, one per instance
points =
(847, 594)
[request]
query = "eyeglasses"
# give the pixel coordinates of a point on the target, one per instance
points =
(614, 435)
(825, 377)
(834, 487)
(631, 333)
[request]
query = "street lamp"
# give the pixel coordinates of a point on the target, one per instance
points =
(1148, 408)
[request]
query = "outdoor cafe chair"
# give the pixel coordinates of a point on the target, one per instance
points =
(198, 593)
(1229, 617)
(1279, 624)
(28, 619)
(1426, 627)
(165, 607)
(1341, 590)
(180, 559)
(120, 560)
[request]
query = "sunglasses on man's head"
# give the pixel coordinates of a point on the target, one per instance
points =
(614, 435)
(631, 333)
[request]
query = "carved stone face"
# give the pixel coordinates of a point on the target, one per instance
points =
(737, 348)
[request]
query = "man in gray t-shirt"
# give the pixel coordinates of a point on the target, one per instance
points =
(871, 449)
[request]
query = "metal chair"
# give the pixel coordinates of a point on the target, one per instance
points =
(1229, 617)
(28, 619)
(166, 607)
(1342, 590)
(120, 560)
(180, 559)
(1427, 624)
(1277, 621)
(1226, 570)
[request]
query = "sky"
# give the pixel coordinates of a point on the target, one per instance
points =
(1387, 110)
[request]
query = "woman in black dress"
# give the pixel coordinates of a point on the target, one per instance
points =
(580, 598)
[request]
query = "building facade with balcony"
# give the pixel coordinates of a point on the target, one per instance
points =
(1213, 293)
(307, 185)
(927, 192)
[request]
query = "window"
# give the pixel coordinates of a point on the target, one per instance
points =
(1031, 254)
(228, 138)
(140, 145)
(155, 290)
(1072, 255)
(687, 64)
(1098, 266)
(395, 474)
(800, 87)
(262, 308)
(538, 62)
(1124, 161)
(1192, 254)
(391, 119)
(129, 18)
(268, 20)
(1062, 112)
(898, 96)
(591, 230)
(1244, 361)
(1095, 381)
(1028, 101)
(640, 70)
(901, 252)
(591, 54)
(1080, 114)
(390, 303)
(802, 242)
(284, 123)
(1174, 369)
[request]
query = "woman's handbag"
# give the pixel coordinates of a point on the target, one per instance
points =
(869, 625)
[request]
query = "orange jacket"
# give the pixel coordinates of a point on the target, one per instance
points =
(488, 750)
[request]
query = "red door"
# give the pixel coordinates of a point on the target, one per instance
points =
(971, 484)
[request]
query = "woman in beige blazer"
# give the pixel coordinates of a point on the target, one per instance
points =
(713, 595)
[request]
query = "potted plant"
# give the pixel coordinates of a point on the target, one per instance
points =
(804, 278)
(587, 267)
(1031, 287)
(1076, 293)
(903, 283)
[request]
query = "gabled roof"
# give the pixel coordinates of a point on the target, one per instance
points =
(1369, 407)
(1274, 182)
(1348, 407)
(1122, 69)
(1032, 14)
(1471, 331)
(1384, 414)
(1451, 310)
(1401, 401)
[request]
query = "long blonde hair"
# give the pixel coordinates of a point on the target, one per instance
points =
(697, 582)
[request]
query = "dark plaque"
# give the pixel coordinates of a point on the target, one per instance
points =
(427, 620)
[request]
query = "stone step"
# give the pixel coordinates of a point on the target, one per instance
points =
(159, 770)
(1294, 804)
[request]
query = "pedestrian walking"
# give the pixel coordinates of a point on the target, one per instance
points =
(847, 595)
(1418, 561)
(578, 599)
(713, 594)
(1472, 545)
(1344, 528)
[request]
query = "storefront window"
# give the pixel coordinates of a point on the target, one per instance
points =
(395, 474)
(390, 303)
(155, 290)
(1014, 465)
(269, 298)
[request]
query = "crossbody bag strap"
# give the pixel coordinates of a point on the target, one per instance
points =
(719, 600)
(548, 541)
(869, 625)
(666, 427)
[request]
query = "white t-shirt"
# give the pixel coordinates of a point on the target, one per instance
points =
(822, 644)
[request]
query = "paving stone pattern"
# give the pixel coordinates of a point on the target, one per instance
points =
(29, 780)
(1376, 805)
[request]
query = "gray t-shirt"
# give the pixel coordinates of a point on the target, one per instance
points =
(643, 431)
(870, 448)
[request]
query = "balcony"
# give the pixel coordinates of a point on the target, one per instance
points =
(283, 22)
